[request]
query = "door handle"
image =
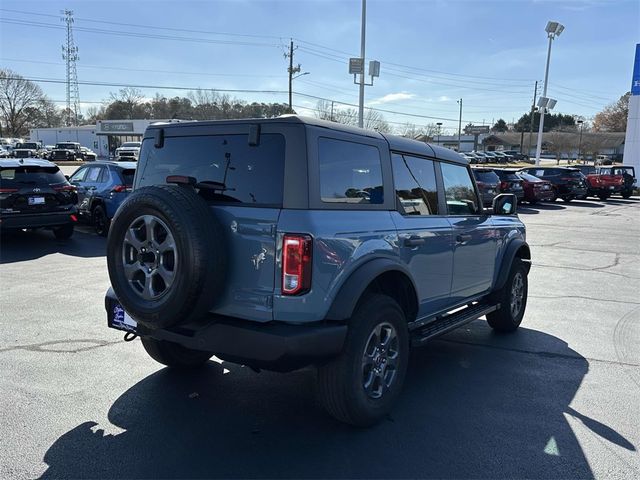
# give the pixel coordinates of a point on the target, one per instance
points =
(413, 241)
(463, 238)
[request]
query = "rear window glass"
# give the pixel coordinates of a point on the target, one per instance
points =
(68, 146)
(252, 175)
(127, 176)
(528, 178)
(510, 176)
(349, 172)
(17, 177)
(486, 176)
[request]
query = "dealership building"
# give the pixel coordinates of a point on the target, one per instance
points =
(103, 137)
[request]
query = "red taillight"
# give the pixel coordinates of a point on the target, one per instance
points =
(8, 190)
(119, 188)
(296, 264)
(65, 188)
(480, 184)
(74, 218)
(567, 179)
(504, 185)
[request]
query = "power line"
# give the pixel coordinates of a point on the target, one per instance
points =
(143, 70)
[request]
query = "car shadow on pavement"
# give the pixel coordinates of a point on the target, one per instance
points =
(475, 404)
(20, 246)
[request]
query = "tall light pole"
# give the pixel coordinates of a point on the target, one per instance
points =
(459, 124)
(553, 29)
(362, 40)
(580, 122)
(439, 124)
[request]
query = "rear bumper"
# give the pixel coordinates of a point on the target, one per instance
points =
(37, 220)
(276, 346)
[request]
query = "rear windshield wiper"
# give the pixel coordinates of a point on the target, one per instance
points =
(193, 182)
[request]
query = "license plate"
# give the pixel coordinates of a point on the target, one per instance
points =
(36, 200)
(612, 187)
(121, 320)
(545, 187)
(490, 190)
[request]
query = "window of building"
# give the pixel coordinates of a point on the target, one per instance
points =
(349, 172)
(458, 188)
(415, 184)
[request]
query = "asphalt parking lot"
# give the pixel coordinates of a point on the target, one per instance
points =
(558, 399)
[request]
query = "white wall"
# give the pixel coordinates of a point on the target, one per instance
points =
(50, 136)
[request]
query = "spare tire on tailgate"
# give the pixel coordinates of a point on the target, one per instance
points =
(166, 256)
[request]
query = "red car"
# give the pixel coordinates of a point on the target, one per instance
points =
(601, 183)
(535, 189)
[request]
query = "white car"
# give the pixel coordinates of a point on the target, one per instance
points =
(128, 151)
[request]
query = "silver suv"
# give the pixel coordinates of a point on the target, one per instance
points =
(290, 242)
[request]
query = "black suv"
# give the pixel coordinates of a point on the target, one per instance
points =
(510, 183)
(35, 194)
(488, 184)
(287, 242)
(568, 183)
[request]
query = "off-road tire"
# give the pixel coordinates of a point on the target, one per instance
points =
(65, 232)
(603, 196)
(341, 389)
(100, 221)
(174, 355)
(626, 193)
(199, 250)
(504, 319)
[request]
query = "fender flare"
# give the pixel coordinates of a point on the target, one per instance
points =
(507, 260)
(345, 302)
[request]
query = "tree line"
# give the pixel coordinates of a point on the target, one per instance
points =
(24, 106)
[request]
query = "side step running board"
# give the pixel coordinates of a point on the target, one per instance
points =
(441, 325)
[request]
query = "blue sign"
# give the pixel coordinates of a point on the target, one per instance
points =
(635, 83)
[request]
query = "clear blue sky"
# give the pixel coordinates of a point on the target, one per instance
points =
(432, 52)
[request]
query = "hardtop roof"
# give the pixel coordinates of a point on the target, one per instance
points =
(25, 162)
(396, 143)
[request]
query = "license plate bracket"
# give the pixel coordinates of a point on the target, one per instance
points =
(119, 319)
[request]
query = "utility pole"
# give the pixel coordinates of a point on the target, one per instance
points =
(70, 54)
(533, 108)
(291, 71)
(459, 124)
(362, 40)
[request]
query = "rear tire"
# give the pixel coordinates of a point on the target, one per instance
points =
(603, 196)
(512, 298)
(361, 385)
(174, 355)
(626, 193)
(101, 222)
(567, 199)
(64, 233)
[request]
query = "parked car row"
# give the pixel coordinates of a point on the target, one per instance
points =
(35, 194)
(547, 184)
(508, 156)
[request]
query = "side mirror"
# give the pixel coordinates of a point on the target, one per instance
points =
(505, 204)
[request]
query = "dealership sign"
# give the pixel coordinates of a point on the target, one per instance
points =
(116, 127)
(635, 82)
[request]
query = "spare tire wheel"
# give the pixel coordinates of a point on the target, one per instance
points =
(166, 256)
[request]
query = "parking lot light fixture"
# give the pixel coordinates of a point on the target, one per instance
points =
(439, 124)
(553, 30)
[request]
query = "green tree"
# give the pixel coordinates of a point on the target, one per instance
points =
(500, 126)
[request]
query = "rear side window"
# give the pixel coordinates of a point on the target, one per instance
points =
(459, 192)
(414, 179)
(79, 175)
(94, 174)
(250, 174)
(18, 177)
(349, 172)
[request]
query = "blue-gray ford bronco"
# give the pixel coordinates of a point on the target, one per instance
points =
(291, 242)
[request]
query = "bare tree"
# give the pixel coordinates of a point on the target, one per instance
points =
(335, 112)
(18, 97)
(421, 132)
(614, 117)
(559, 143)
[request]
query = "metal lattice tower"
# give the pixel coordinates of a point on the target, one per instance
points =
(70, 54)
